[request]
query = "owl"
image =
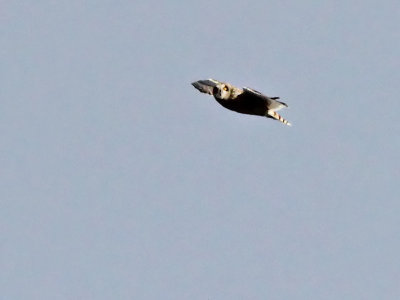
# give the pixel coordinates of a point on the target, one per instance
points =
(245, 101)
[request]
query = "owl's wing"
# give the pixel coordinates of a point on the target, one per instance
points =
(206, 86)
(272, 102)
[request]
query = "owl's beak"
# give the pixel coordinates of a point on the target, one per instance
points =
(205, 86)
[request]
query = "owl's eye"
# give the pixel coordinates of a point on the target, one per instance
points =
(225, 88)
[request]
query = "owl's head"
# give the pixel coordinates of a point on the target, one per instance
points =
(222, 91)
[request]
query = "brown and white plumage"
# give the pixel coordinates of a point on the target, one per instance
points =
(245, 101)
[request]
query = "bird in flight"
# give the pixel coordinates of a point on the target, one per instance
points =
(245, 101)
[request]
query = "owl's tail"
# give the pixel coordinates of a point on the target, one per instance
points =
(273, 114)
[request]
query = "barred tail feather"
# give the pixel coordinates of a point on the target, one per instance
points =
(276, 116)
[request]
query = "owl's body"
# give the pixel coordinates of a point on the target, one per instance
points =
(245, 101)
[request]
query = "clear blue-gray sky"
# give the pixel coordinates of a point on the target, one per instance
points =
(119, 180)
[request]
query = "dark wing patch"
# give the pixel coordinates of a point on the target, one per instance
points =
(272, 103)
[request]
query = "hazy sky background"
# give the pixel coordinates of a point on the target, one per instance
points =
(119, 180)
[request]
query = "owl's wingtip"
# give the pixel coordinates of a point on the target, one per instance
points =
(204, 86)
